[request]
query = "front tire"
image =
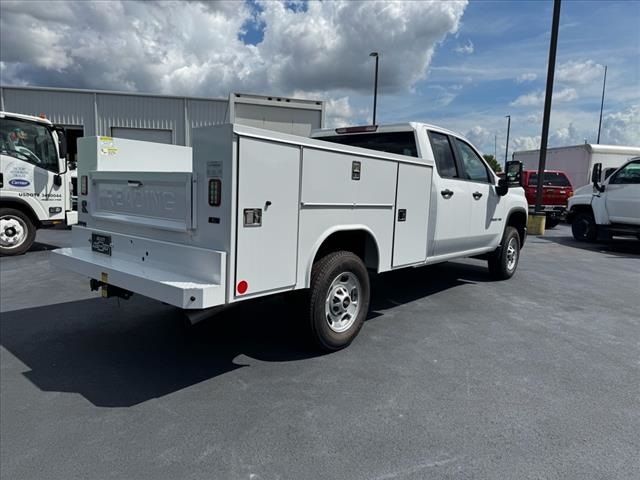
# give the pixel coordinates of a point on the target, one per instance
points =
(504, 261)
(339, 300)
(17, 232)
(584, 228)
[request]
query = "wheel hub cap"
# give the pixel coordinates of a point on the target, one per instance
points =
(12, 232)
(343, 302)
(512, 254)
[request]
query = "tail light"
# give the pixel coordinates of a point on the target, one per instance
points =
(215, 192)
(84, 185)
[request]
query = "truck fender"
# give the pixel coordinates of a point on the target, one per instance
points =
(26, 206)
(326, 234)
(517, 218)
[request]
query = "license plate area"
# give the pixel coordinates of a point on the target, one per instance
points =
(101, 243)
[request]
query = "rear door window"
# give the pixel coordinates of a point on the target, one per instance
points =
(443, 155)
(550, 179)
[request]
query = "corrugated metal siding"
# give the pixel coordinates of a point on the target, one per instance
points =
(205, 113)
(141, 112)
(62, 108)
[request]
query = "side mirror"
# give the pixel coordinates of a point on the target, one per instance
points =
(513, 173)
(502, 188)
(596, 174)
(57, 180)
(62, 142)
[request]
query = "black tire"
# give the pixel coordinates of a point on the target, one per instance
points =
(584, 228)
(551, 223)
(502, 264)
(14, 222)
(333, 275)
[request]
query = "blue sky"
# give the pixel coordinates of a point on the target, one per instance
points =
(462, 65)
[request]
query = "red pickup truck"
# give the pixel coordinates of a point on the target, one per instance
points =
(556, 191)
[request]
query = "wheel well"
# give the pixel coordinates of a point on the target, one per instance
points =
(23, 207)
(518, 220)
(360, 242)
(580, 209)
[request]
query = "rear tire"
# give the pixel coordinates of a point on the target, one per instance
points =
(504, 261)
(584, 228)
(339, 299)
(17, 232)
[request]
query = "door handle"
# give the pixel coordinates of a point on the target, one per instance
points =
(134, 183)
(446, 193)
(477, 195)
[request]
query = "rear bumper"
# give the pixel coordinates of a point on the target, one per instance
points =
(180, 275)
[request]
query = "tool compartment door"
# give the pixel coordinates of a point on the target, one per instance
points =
(267, 217)
(411, 214)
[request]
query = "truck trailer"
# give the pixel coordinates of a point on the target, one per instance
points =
(577, 161)
(250, 212)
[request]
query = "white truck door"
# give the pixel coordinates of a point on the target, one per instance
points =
(623, 195)
(267, 216)
(453, 199)
(485, 226)
(412, 211)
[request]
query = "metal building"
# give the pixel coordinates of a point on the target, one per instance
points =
(157, 118)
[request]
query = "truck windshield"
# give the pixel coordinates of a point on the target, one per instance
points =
(28, 141)
(401, 143)
(550, 179)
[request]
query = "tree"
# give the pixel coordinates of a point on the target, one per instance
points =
(493, 163)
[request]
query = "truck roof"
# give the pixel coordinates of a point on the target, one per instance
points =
(591, 148)
(29, 118)
(391, 127)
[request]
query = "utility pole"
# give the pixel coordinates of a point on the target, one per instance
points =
(506, 150)
(375, 87)
(495, 146)
(551, 68)
(604, 83)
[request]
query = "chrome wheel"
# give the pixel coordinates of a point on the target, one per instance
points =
(342, 304)
(512, 253)
(13, 232)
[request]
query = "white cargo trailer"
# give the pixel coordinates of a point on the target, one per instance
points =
(255, 212)
(577, 161)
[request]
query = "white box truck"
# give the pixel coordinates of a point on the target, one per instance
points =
(577, 161)
(35, 180)
(254, 212)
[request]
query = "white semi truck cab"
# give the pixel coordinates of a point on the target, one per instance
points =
(35, 181)
(250, 212)
(612, 207)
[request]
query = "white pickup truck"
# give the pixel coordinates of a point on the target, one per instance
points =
(612, 207)
(254, 212)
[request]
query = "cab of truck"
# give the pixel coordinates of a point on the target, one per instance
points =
(607, 208)
(556, 191)
(35, 181)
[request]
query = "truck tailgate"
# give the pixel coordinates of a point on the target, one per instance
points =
(152, 199)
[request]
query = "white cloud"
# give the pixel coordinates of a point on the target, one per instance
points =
(579, 72)
(526, 77)
(622, 128)
(537, 98)
(466, 49)
(194, 48)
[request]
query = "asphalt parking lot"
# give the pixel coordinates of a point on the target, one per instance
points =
(452, 376)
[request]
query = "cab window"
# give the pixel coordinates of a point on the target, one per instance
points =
(443, 155)
(629, 174)
(474, 167)
(29, 142)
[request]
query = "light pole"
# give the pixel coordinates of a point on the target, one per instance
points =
(506, 150)
(375, 86)
(604, 83)
(551, 70)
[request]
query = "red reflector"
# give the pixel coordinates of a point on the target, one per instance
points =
(243, 286)
(366, 128)
(84, 185)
